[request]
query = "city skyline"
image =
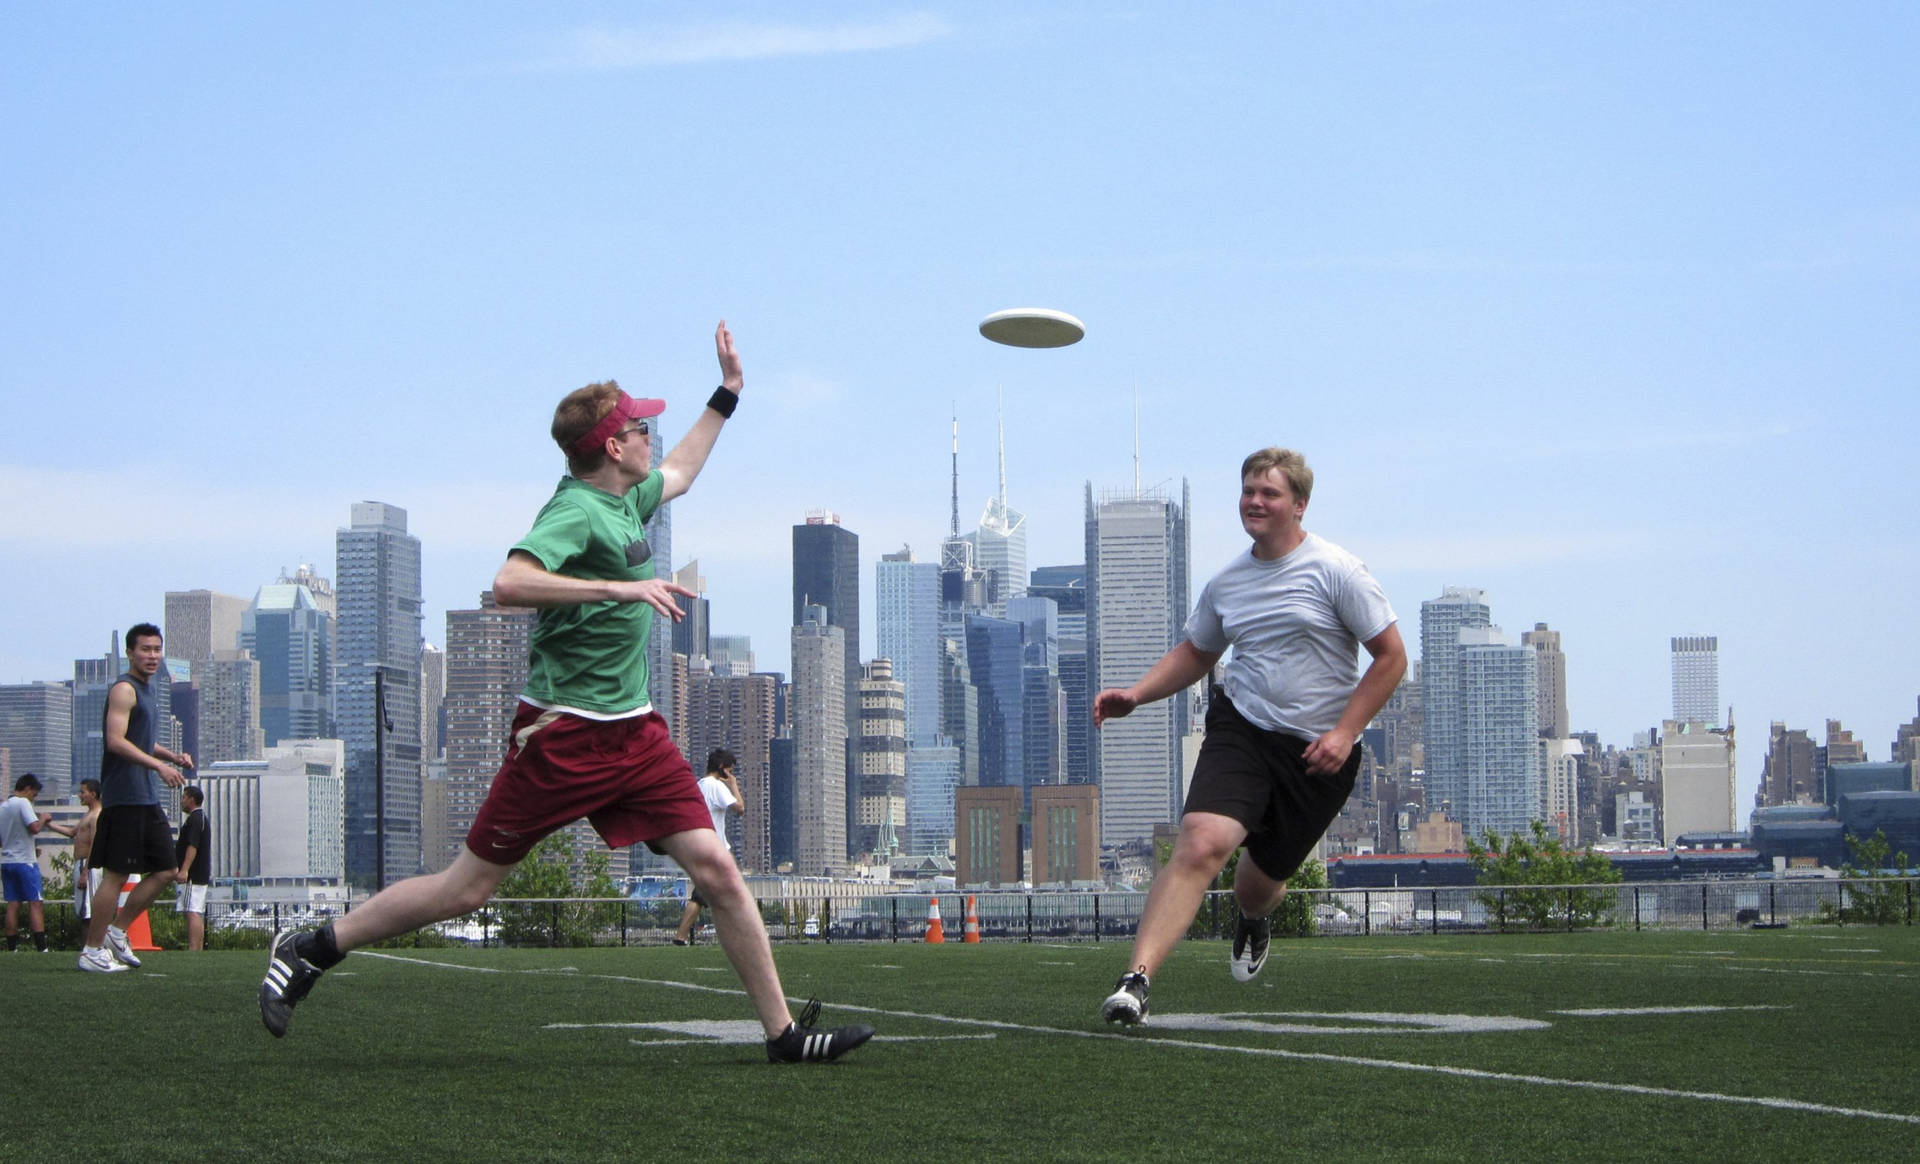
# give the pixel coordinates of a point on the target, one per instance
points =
(1605, 312)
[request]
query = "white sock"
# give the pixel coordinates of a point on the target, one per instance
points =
(114, 931)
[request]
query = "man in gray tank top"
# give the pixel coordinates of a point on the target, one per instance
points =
(133, 835)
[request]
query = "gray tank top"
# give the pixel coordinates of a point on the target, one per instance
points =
(121, 780)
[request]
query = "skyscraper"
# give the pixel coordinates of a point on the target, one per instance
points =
(229, 687)
(907, 610)
(820, 744)
(826, 573)
(1788, 774)
(292, 638)
(1551, 677)
(1500, 737)
(200, 622)
(486, 669)
(1137, 605)
(1443, 724)
(994, 664)
(690, 634)
(739, 713)
(1696, 780)
(377, 564)
(1067, 587)
(1696, 679)
(1042, 702)
(881, 812)
(1000, 545)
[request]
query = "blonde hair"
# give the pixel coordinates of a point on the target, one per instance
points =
(1292, 466)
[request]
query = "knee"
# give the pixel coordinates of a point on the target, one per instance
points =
(1203, 850)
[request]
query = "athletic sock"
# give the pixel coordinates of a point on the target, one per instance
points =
(40, 940)
(13, 942)
(116, 931)
(319, 948)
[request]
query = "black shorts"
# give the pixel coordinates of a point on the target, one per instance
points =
(1260, 779)
(133, 838)
(694, 898)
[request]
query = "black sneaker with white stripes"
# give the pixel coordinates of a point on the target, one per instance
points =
(1250, 939)
(800, 1043)
(1127, 1005)
(289, 977)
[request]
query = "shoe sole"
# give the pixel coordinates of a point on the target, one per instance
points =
(853, 1037)
(1242, 972)
(109, 968)
(1122, 1008)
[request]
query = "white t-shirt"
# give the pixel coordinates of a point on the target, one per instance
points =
(1295, 625)
(17, 819)
(719, 799)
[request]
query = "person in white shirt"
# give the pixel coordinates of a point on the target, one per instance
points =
(1282, 743)
(722, 793)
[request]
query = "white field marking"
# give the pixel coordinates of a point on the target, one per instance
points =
(1622, 1011)
(1773, 1102)
(735, 1032)
(1856, 950)
(1816, 973)
(1055, 963)
(885, 966)
(1495, 961)
(1352, 1023)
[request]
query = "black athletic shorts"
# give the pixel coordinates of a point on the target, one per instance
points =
(133, 838)
(693, 897)
(1260, 779)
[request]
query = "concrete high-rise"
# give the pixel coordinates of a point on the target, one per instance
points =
(739, 713)
(1790, 772)
(1443, 722)
(229, 687)
(1696, 780)
(690, 635)
(486, 669)
(880, 818)
(200, 622)
(1137, 578)
(819, 712)
(826, 573)
(377, 567)
(286, 630)
(278, 821)
(1550, 680)
(1696, 679)
(1042, 700)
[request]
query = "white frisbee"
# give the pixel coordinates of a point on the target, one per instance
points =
(1032, 327)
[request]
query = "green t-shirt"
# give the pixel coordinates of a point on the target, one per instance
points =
(593, 656)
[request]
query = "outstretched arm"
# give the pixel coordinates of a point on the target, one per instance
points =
(523, 581)
(1177, 670)
(688, 457)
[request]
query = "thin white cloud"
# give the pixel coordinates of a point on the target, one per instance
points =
(590, 49)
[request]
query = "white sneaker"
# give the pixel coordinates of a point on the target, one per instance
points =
(98, 961)
(117, 946)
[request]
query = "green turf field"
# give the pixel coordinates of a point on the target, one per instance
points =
(1788, 1044)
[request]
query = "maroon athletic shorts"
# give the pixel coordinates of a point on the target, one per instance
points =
(623, 775)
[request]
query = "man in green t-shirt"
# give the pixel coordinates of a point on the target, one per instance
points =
(586, 741)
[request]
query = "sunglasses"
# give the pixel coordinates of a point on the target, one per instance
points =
(639, 426)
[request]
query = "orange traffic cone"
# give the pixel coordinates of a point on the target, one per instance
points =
(970, 930)
(140, 933)
(936, 933)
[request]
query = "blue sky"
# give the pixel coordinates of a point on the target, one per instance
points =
(1607, 309)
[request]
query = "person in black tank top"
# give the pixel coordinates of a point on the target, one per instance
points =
(133, 835)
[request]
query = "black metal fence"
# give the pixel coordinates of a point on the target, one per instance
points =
(854, 913)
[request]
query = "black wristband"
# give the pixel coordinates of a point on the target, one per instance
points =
(723, 401)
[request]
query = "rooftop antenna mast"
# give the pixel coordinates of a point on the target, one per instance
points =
(955, 531)
(1000, 417)
(1136, 438)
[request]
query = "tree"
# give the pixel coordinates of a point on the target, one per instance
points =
(553, 871)
(1869, 902)
(1537, 862)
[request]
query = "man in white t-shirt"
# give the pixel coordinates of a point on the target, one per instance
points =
(1283, 728)
(722, 794)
